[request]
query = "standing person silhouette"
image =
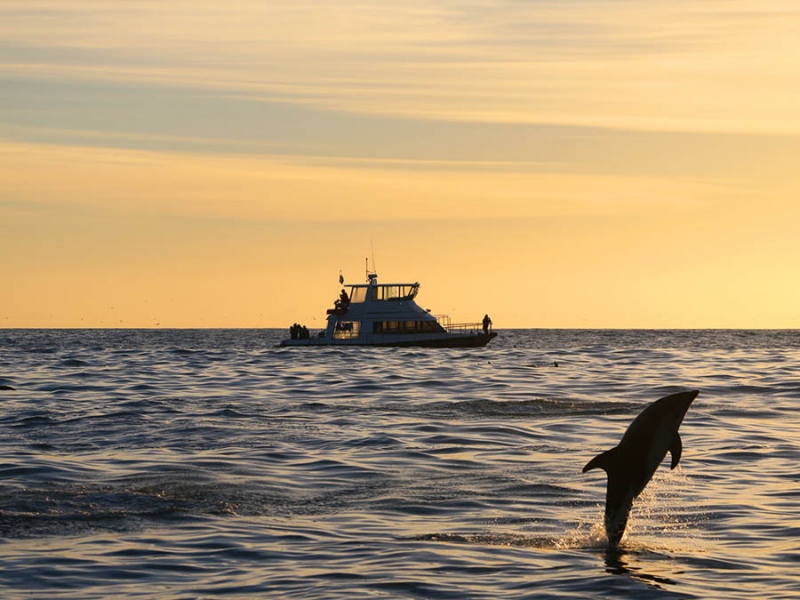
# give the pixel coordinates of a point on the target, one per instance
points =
(487, 322)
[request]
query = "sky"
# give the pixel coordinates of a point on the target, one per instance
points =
(554, 163)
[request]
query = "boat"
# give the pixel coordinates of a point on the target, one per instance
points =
(386, 314)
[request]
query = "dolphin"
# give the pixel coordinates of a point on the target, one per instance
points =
(631, 463)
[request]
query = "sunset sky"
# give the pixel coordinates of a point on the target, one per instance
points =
(198, 163)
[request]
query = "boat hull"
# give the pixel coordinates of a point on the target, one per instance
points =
(449, 340)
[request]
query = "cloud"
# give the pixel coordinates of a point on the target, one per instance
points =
(653, 66)
(122, 183)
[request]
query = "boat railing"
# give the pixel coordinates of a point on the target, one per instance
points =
(463, 327)
(444, 320)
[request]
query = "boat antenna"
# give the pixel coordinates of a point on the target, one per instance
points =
(374, 266)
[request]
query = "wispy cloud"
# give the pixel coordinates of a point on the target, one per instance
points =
(655, 66)
(122, 183)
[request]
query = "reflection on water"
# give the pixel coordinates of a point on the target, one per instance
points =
(205, 463)
(622, 562)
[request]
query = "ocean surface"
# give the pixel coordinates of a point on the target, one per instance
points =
(210, 463)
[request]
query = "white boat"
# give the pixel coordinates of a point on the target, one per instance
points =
(385, 314)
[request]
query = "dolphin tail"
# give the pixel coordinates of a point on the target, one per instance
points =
(601, 461)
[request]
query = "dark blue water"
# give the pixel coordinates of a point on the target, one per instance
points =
(184, 464)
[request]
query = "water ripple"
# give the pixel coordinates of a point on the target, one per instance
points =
(205, 463)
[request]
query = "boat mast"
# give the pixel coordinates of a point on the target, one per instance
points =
(370, 274)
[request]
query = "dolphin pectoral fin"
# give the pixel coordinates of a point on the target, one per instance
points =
(601, 461)
(675, 449)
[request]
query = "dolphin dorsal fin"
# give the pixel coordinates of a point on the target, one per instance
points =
(675, 449)
(602, 460)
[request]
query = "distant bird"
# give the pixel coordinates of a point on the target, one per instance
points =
(631, 463)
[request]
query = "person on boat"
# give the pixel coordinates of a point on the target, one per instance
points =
(342, 303)
(487, 323)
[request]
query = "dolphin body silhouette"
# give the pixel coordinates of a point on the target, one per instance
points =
(631, 463)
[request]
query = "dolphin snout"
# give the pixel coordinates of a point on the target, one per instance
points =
(688, 397)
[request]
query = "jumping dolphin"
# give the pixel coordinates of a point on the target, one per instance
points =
(631, 463)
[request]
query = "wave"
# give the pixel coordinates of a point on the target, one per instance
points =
(195, 459)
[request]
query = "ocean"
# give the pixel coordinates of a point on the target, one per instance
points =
(211, 463)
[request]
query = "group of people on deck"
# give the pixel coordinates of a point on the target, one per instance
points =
(299, 332)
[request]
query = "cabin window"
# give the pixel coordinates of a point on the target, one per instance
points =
(406, 327)
(358, 294)
(346, 330)
(394, 292)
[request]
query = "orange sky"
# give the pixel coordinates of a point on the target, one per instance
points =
(556, 164)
